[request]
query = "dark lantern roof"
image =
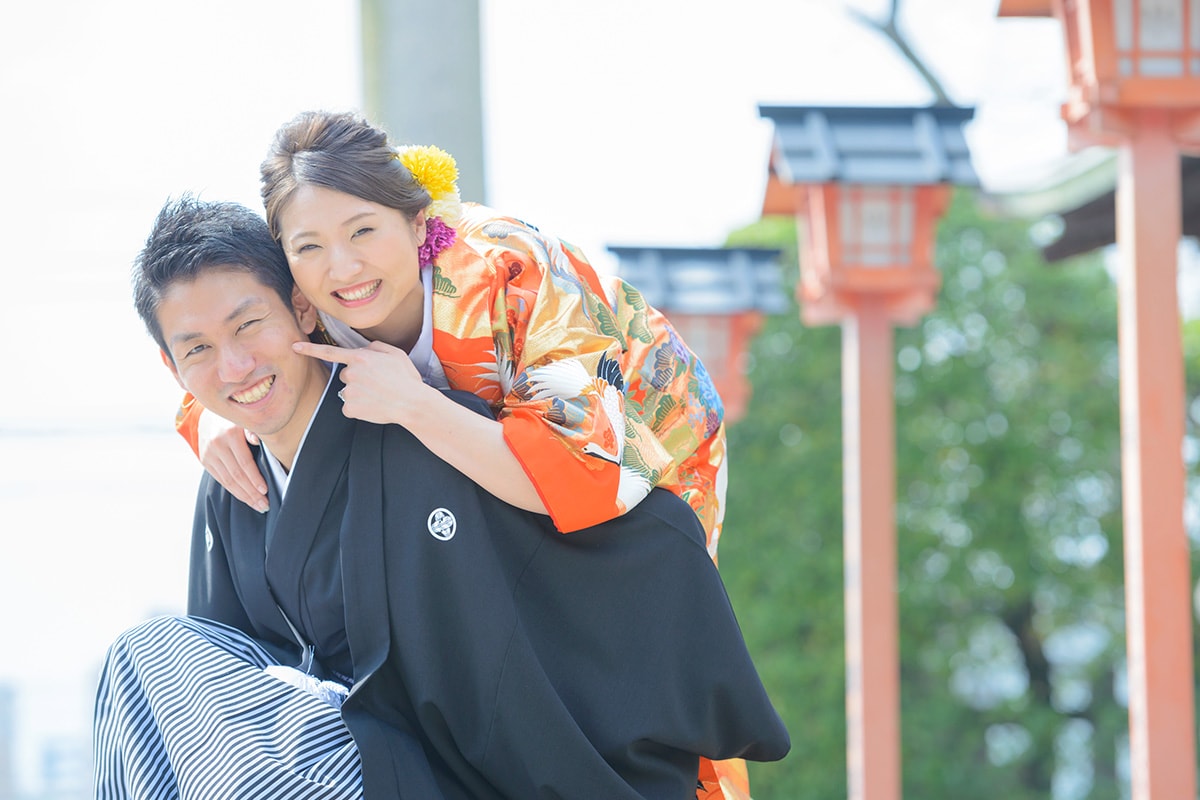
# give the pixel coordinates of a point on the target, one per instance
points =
(705, 280)
(871, 144)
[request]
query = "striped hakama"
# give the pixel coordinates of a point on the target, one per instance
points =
(185, 710)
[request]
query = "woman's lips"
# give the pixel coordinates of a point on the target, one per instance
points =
(359, 293)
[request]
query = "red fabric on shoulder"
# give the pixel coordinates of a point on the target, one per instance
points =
(578, 492)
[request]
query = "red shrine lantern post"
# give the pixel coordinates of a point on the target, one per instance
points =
(870, 252)
(868, 186)
(1134, 71)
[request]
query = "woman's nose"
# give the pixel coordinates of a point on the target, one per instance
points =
(344, 264)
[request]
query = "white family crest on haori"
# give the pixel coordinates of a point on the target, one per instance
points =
(568, 380)
(442, 524)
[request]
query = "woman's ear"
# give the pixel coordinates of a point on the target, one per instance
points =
(305, 311)
(419, 228)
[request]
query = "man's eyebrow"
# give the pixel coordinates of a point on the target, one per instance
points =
(238, 310)
(353, 219)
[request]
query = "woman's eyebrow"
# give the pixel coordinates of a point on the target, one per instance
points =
(351, 221)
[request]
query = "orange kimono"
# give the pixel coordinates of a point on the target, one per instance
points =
(599, 397)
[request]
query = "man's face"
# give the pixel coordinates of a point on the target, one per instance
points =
(230, 340)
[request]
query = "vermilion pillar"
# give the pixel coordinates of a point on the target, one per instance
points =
(1134, 81)
(1158, 611)
(872, 615)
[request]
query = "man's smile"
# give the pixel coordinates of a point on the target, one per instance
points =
(254, 393)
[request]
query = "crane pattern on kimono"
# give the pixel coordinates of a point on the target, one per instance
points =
(569, 381)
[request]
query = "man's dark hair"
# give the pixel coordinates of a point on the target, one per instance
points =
(192, 236)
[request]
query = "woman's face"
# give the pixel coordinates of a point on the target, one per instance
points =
(357, 261)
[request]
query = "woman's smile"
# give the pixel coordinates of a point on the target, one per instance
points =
(358, 294)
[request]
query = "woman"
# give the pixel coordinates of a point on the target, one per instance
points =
(596, 397)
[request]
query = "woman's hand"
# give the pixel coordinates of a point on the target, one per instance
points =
(224, 452)
(383, 386)
(381, 383)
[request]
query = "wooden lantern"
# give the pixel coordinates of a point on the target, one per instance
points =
(1124, 56)
(868, 242)
(867, 187)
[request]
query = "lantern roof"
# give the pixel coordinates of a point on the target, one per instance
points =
(871, 144)
(1082, 196)
(705, 280)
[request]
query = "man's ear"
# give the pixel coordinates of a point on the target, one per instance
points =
(306, 312)
(170, 364)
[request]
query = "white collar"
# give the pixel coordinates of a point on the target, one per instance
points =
(280, 475)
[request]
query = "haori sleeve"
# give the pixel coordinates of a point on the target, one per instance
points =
(211, 591)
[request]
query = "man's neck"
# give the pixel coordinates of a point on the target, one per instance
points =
(285, 443)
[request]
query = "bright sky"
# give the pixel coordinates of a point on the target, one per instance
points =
(623, 122)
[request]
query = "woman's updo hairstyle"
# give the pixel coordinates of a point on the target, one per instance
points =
(340, 151)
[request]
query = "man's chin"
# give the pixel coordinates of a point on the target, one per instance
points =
(255, 423)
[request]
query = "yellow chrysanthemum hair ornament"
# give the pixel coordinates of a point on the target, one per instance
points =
(434, 169)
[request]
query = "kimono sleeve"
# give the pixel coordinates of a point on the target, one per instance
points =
(187, 421)
(564, 413)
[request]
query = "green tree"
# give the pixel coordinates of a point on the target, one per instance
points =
(1008, 521)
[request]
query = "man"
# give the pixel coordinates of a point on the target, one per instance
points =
(485, 655)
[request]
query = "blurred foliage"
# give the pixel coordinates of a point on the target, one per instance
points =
(1008, 525)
